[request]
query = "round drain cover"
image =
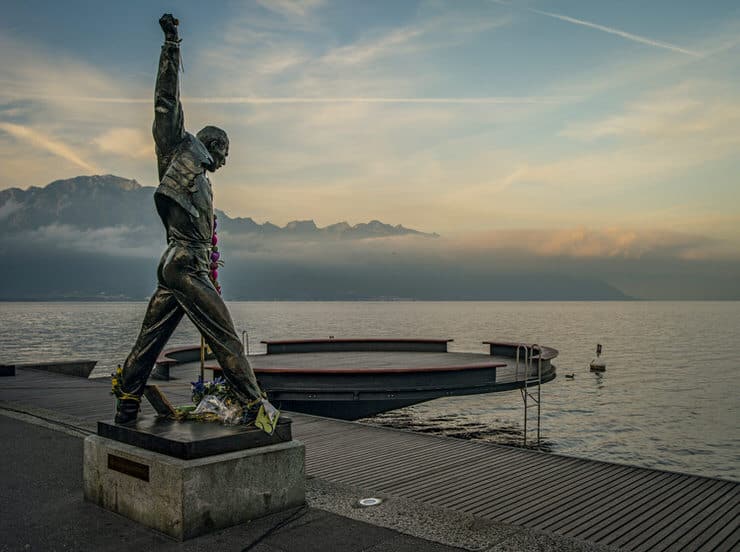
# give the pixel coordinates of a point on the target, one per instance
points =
(370, 501)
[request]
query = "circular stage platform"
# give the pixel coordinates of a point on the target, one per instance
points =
(356, 378)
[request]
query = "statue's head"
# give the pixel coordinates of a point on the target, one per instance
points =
(217, 143)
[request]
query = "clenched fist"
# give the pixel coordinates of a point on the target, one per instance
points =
(169, 26)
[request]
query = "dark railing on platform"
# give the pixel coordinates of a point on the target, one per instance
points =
(371, 344)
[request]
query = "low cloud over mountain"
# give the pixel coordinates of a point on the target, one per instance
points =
(100, 237)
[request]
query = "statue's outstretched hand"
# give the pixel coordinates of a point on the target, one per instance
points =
(169, 26)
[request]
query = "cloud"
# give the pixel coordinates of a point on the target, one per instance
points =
(604, 243)
(688, 110)
(30, 73)
(428, 34)
(126, 142)
(44, 88)
(526, 244)
(116, 241)
(9, 207)
(291, 8)
(47, 143)
(365, 51)
(660, 136)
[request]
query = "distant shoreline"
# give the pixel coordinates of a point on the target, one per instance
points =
(380, 300)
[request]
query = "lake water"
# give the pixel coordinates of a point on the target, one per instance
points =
(669, 398)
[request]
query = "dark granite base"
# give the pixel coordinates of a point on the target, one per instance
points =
(7, 370)
(190, 439)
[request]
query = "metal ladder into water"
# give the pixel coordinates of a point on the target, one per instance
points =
(529, 381)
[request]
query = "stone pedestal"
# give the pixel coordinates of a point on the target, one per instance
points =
(184, 497)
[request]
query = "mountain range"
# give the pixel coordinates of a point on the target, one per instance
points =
(99, 237)
(89, 202)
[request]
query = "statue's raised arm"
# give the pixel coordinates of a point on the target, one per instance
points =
(169, 123)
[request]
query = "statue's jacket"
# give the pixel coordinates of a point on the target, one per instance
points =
(184, 198)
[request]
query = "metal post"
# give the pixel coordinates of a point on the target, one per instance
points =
(202, 358)
(539, 388)
(523, 390)
(539, 397)
(538, 400)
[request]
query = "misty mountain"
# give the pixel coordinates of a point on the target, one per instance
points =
(99, 237)
(94, 202)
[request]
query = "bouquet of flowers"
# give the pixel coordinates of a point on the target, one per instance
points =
(213, 401)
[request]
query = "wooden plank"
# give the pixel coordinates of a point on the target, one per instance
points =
(488, 491)
(447, 482)
(449, 465)
(711, 541)
(710, 526)
(480, 462)
(505, 466)
(665, 511)
(558, 477)
(553, 476)
(587, 499)
(373, 460)
(403, 470)
(573, 523)
(568, 494)
(626, 511)
(732, 542)
(663, 499)
(455, 484)
(690, 514)
(572, 497)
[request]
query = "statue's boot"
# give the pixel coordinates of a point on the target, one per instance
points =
(127, 411)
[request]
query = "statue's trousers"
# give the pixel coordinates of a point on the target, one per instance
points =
(185, 289)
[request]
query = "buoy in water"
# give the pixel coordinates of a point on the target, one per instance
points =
(598, 365)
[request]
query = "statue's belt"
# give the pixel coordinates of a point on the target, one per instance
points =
(200, 245)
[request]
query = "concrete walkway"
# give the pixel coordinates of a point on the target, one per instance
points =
(42, 509)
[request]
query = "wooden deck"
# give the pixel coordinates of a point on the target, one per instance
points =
(618, 505)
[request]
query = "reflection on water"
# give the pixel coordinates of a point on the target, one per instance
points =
(668, 398)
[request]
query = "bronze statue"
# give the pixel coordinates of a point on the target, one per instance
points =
(184, 201)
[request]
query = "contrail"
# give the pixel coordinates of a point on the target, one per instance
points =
(480, 100)
(226, 100)
(610, 30)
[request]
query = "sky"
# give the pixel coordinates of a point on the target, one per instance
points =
(559, 128)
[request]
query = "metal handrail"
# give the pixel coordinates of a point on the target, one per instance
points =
(524, 390)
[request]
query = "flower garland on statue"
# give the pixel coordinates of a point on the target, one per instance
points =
(216, 261)
(214, 400)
